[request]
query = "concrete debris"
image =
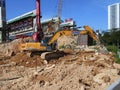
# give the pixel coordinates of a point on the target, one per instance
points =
(12, 78)
(89, 50)
(101, 78)
(49, 67)
(106, 79)
(10, 53)
(88, 68)
(9, 49)
(45, 62)
(66, 42)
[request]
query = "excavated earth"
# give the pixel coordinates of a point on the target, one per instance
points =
(83, 70)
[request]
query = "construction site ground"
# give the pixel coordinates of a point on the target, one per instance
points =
(77, 70)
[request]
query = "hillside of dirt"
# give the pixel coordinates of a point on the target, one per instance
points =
(83, 69)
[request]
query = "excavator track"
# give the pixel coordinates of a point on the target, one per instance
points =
(47, 55)
(53, 55)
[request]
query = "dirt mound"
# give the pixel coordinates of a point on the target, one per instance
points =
(8, 48)
(81, 70)
(75, 72)
(11, 48)
(22, 59)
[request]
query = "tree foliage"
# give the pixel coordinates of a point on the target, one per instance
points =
(111, 38)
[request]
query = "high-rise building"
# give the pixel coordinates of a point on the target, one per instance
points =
(114, 16)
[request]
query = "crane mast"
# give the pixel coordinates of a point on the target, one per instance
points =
(60, 2)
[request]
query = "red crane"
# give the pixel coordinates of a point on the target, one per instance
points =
(38, 15)
(39, 35)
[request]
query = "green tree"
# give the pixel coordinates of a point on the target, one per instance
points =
(111, 38)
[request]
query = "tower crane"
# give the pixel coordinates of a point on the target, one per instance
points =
(60, 3)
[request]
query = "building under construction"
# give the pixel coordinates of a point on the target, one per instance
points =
(25, 25)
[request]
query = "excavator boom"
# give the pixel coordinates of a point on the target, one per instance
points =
(66, 32)
(91, 33)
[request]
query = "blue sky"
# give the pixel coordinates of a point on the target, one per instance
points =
(84, 12)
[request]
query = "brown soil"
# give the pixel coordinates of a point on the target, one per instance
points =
(75, 71)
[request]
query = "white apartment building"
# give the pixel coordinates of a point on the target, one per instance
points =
(113, 16)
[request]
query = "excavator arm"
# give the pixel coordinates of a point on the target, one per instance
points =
(66, 32)
(91, 33)
(58, 34)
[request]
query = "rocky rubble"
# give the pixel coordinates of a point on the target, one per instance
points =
(9, 48)
(84, 69)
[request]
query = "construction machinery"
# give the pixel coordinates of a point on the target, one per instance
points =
(39, 34)
(49, 43)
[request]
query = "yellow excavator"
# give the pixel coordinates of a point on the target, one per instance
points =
(48, 43)
(43, 43)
